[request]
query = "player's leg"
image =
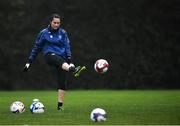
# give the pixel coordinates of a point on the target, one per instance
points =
(62, 82)
(58, 61)
(61, 77)
(61, 94)
(76, 70)
(67, 67)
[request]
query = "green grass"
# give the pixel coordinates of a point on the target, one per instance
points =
(122, 107)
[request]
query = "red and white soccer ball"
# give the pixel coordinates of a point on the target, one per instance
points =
(101, 66)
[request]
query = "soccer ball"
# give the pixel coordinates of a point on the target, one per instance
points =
(101, 66)
(98, 115)
(37, 107)
(17, 107)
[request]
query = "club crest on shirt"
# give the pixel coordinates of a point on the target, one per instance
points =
(60, 36)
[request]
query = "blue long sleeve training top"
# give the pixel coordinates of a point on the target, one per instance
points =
(49, 41)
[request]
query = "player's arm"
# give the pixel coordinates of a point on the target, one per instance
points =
(35, 50)
(68, 50)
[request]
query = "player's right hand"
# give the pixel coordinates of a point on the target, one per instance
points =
(26, 67)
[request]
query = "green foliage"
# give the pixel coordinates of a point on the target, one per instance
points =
(122, 107)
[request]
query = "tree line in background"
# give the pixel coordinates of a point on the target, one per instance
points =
(139, 39)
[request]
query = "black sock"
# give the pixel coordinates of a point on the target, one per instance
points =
(72, 69)
(60, 104)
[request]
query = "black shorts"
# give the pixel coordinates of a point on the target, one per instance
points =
(56, 61)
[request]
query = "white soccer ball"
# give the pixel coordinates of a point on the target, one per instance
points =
(17, 107)
(101, 66)
(98, 115)
(37, 107)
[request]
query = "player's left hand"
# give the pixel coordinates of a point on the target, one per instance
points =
(26, 67)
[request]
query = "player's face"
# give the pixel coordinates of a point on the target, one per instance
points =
(55, 23)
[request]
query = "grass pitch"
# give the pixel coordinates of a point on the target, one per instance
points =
(160, 107)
